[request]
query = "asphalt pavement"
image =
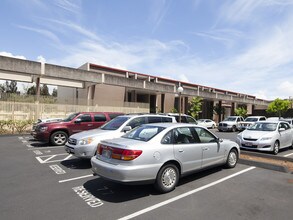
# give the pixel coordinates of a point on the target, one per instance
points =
(39, 181)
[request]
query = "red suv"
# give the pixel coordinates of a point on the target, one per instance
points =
(57, 133)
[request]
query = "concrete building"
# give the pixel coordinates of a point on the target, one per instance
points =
(93, 84)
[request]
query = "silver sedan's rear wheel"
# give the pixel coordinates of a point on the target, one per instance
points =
(276, 148)
(167, 178)
(232, 159)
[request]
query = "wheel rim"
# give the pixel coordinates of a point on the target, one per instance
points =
(276, 148)
(232, 159)
(169, 177)
(59, 139)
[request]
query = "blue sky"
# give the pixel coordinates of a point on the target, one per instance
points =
(244, 46)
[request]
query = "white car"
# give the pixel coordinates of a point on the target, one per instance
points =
(84, 144)
(250, 120)
(208, 123)
(266, 136)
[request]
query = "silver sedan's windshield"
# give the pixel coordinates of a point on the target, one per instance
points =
(264, 127)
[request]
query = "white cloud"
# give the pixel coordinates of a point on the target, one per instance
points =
(41, 59)
(7, 54)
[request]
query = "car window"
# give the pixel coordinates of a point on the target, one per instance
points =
(166, 119)
(284, 125)
(115, 123)
(143, 133)
(154, 119)
(185, 135)
(100, 117)
(114, 115)
(167, 139)
(85, 118)
(136, 122)
(262, 119)
(204, 135)
(190, 120)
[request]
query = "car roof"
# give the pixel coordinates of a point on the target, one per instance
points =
(144, 115)
(171, 125)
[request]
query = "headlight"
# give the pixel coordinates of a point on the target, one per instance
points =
(43, 129)
(266, 138)
(86, 141)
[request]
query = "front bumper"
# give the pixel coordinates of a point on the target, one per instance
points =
(257, 145)
(81, 151)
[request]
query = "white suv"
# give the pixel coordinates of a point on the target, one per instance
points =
(231, 123)
(84, 144)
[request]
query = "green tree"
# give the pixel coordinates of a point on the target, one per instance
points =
(241, 111)
(44, 90)
(11, 87)
(195, 106)
(54, 93)
(278, 106)
(31, 90)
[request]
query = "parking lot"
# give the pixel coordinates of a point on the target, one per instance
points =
(39, 181)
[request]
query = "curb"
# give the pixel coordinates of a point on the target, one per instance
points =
(13, 135)
(264, 165)
(264, 155)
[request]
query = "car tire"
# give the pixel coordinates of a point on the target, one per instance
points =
(58, 138)
(232, 159)
(276, 148)
(213, 126)
(167, 178)
(234, 129)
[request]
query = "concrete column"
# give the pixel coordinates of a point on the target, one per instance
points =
(38, 88)
(90, 94)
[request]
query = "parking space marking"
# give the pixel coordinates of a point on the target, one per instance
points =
(37, 152)
(287, 155)
(24, 141)
(57, 169)
(30, 146)
(143, 211)
(48, 158)
(76, 178)
(90, 199)
(20, 138)
(41, 148)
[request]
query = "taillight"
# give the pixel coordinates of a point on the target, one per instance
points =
(118, 153)
(99, 149)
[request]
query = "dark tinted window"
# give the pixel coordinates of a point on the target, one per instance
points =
(154, 119)
(136, 122)
(85, 118)
(100, 117)
(166, 119)
(114, 115)
(191, 120)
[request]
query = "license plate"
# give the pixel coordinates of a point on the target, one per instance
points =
(248, 144)
(106, 153)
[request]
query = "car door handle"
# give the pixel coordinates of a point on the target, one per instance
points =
(205, 148)
(181, 150)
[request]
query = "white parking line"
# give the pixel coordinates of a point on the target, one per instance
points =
(287, 155)
(76, 178)
(183, 195)
(43, 148)
(48, 158)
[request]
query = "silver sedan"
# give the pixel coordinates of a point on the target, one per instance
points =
(161, 153)
(266, 136)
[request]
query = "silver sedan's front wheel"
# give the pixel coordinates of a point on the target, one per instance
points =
(232, 159)
(167, 178)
